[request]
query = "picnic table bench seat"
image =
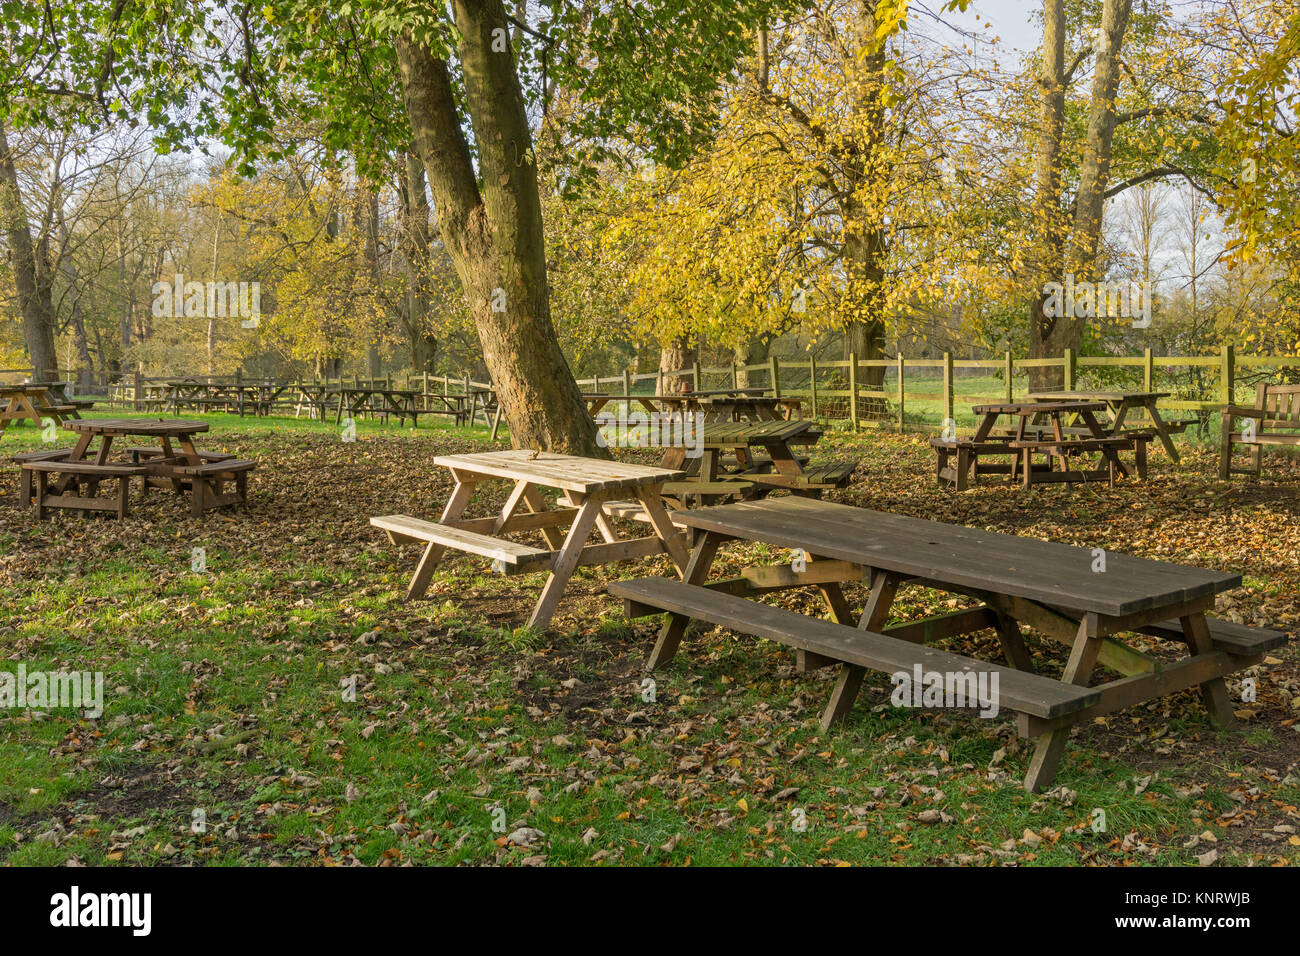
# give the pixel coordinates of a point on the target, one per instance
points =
(1239, 640)
(1018, 690)
(145, 452)
(207, 479)
(405, 527)
(92, 473)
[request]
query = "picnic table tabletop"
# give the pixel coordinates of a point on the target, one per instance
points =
(1036, 408)
(722, 434)
(143, 427)
(566, 472)
(1096, 395)
(1056, 574)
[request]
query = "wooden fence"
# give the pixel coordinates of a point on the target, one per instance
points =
(913, 393)
(841, 390)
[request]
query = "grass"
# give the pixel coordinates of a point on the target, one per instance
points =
(286, 705)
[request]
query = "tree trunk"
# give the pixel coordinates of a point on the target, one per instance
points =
(493, 233)
(673, 357)
(865, 247)
(1050, 335)
(33, 301)
(416, 237)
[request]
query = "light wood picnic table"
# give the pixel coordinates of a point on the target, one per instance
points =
(1054, 588)
(589, 487)
(1118, 405)
(19, 402)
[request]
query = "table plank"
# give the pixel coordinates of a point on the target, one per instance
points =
(1049, 572)
(567, 472)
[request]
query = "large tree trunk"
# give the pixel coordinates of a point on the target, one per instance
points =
(1046, 263)
(1094, 171)
(1050, 335)
(865, 246)
(33, 290)
(416, 237)
(676, 356)
(493, 233)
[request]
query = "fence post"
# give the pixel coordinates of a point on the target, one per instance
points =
(853, 389)
(902, 395)
(627, 382)
(735, 374)
(1148, 370)
(1009, 374)
(1069, 370)
(1227, 373)
(138, 391)
(595, 383)
(947, 388)
(775, 368)
(812, 384)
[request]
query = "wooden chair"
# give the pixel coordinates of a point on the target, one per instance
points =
(1276, 415)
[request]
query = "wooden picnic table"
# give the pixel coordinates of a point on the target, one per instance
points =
(1051, 587)
(589, 488)
(379, 400)
(726, 455)
(69, 478)
(19, 402)
(1118, 405)
(256, 398)
(1041, 428)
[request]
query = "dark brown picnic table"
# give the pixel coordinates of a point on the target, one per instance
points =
(1040, 428)
(1054, 588)
(1119, 404)
(69, 478)
(379, 400)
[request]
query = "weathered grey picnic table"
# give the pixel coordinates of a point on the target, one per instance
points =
(1054, 588)
(591, 489)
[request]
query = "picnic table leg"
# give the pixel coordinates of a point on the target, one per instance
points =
(533, 498)
(567, 559)
(432, 552)
(1013, 643)
(663, 526)
(697, 569)
(884, 585)
(1162, 431)
(1213, 692)
(1078, 670)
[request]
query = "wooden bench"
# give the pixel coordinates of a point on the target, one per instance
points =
(1235, 639)
(704, 492)
(206, 482)
(967, 453)
(439, 537)
(92, 474)
(142, 453)
(1276, 415)
(1017, 690)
